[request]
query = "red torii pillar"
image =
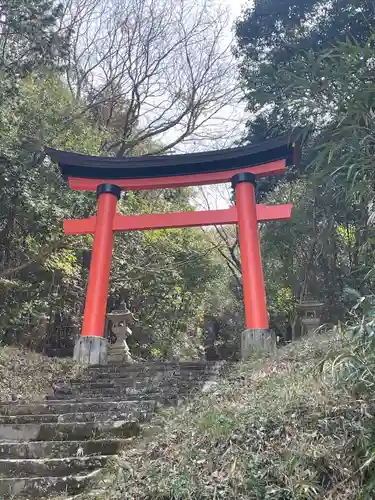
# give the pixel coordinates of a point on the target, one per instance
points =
(97, 288)
(91, 347)
(257, 331)
(251, 262)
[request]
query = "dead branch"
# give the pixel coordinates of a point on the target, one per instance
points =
(151, 70)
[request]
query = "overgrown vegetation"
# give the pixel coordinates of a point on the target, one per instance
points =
(27, 376)
(298, 426)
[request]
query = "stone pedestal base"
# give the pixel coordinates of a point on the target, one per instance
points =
(257, 339)
(91, 350)
(119, 353)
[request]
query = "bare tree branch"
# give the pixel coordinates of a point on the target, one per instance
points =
(151, 70)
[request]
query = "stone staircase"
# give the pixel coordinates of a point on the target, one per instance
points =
(60, 446)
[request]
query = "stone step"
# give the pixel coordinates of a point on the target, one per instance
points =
(134, 414)
(44, 487)
(61, 407)
(62, 449)
(59, 446)
(134, 387)
(164, 399)
(153, 368)
(114, 393)
(51, 467)
(134, 393)
(131, 380)
(160, 364)
(68, 431)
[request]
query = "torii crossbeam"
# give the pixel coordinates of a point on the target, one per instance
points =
(177, 219)
(108, 176)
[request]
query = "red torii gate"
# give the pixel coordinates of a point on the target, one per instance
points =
(108, 176)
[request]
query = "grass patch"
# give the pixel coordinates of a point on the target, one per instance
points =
(28, 376)
(274, 429)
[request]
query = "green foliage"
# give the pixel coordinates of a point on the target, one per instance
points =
(275, 38)
(353, 370)
(32, 207)
(29, 36)
(163, 275)
(309, 66)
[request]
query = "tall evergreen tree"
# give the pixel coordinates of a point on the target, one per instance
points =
(30, 36)
(287, 36)
(309, 64)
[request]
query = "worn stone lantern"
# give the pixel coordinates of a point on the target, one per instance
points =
(310, 311)
(118, 349)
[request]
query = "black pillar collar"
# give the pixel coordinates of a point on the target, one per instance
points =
(108, 188)
(243, 177)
